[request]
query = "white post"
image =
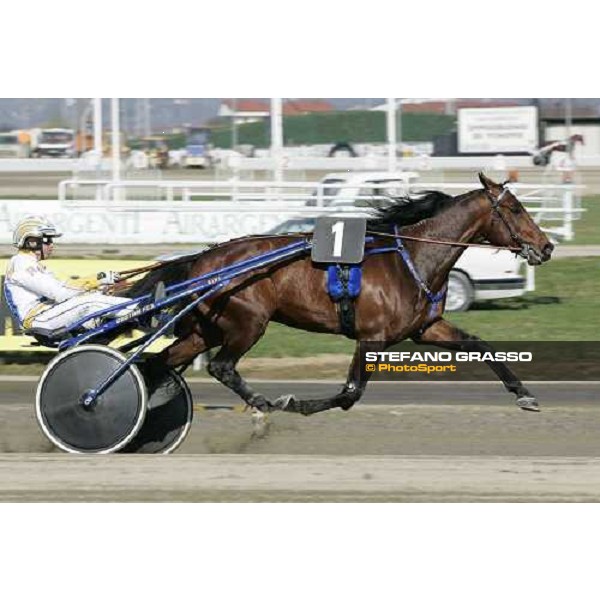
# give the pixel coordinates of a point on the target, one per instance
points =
(97, 116)
(277, 138)
(116, 143)
(234, 140)
(529, 278)
(97, 103)
(399, 126)
(568, 213)
(391, 133)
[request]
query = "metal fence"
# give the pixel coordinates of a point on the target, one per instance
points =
(555, 206)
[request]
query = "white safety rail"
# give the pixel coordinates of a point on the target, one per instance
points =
(555, 207)
(377, 163)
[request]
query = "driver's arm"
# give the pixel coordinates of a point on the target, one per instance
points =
(43, 283)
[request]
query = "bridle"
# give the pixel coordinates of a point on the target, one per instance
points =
(523, 249)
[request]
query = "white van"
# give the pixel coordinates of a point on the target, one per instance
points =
(55, 143)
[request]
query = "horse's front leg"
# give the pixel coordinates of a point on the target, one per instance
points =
(444, 334)
(351, 393)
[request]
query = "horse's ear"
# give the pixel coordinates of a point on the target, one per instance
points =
(486, 182)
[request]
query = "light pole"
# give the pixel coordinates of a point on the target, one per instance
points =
(277, 138)
(97, 104)
(234, 140)
(391, 133)
(116, 142)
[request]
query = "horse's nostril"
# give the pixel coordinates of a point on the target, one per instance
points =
(547, 250)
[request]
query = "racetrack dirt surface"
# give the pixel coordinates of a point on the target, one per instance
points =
(377, 453)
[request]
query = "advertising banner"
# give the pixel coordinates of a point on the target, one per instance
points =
(96, 223)
(497, 130)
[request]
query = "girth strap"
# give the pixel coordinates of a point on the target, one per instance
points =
(346, 311)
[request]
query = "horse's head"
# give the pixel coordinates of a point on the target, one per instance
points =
(511, 225)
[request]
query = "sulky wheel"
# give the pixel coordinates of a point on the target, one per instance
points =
(111, 421)
(169, 416)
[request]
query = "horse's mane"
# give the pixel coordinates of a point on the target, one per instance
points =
(410, 209)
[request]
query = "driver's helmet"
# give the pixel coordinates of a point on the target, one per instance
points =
(34, 226)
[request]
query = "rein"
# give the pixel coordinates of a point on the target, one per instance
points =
(129, 273)
(442, 242)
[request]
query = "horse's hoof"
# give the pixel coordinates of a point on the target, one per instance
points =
(259, 402)
(528, 403)
(345, 403)
(283, 402)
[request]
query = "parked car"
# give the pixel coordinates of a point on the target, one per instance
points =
(361, 188)
(479, 274)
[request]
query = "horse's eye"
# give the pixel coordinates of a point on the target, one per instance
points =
(516, 209)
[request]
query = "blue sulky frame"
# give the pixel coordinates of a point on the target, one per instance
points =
(206, 285)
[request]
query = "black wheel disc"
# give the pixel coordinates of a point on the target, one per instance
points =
(112, 421)
(169, 416)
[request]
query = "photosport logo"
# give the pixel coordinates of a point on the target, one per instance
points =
(542, 361)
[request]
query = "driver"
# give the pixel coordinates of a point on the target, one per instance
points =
(36, 297)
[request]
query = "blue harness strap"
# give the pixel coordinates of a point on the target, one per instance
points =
(343, 285)
(433, 298)
(339, 286)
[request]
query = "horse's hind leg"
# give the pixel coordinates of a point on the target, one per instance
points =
(181, 352)
(444, 334)
(223, 368)
(223, 365)
(351, 392)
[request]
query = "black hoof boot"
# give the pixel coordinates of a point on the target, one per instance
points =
(345, 403)
(259, 402)
(528, 403)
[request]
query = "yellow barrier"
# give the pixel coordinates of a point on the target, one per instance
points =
(12, 340)
(73, 268)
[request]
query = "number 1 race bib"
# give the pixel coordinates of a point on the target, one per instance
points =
(339, 240)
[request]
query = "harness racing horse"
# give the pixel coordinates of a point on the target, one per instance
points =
(398, 299)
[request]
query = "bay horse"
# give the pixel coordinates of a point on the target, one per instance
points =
(395, 302)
